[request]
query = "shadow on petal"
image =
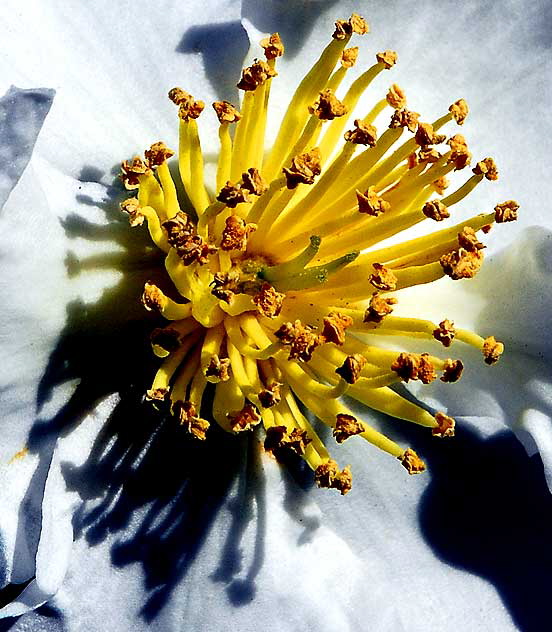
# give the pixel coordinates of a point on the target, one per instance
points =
(294, 20)
(487, 510)
(146, 485)
(223, 46)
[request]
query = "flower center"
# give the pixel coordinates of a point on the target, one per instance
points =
(281, 287)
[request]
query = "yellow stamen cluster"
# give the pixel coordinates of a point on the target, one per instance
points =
(284, 285)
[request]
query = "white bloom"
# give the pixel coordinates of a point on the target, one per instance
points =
(164, 539)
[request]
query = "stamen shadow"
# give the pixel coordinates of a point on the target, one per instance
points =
(145, 478)
(294, 19)
(223, 47)
(487, 510)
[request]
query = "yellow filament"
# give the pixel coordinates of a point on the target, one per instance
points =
(336, 127)
(228, 399)
(297, 113)
(225, 156)
(198, 193)
(157, 234)
(463, 191)
(151, 194)
(241, 138)
(211, 346)
(172, 362)
(185, 376)
(169, 190)
(305, 211)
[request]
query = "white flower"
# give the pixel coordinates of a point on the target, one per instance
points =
(170, 535)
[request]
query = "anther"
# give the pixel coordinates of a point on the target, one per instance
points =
(301, 339)
(131, 172)
(346, 426)
(235, 233)
(268, 301)
(152, 298)
(349, 57)
(383, 278)
(278, 439)
(233, 194)
(388, 58)
(461, 263)
(506, 212)
(245, 419)
(396, 97)
(255, 75)
(459, 110)
(327, 475)
(378, 308)
(345, 28)
(270, 396)
(273, 46)
(362, 134)
(371, 203)
(188, 107)
(217, 370)
(436, 210)
(413, 366)
(328, 106)
(440, 184)
(226, 112)
(131, 207)
(452, 371)
(335, 325)
(404, 118)
(351, 368)
(486, 167)
(492, 350)
(460, 155)
(253, 182)
(157, 154)
(225, 285)
(412, 462)
(304, 168)
(445, 333)
(445, 426)
(186, 414)
(166, 338)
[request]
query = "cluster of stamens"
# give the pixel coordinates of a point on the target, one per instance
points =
(280, 289)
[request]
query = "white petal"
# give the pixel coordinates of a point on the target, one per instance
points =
(112, 65)
(22, 113)
(270, 554)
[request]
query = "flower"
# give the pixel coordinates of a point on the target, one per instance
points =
(283, 286)
(108, 545)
